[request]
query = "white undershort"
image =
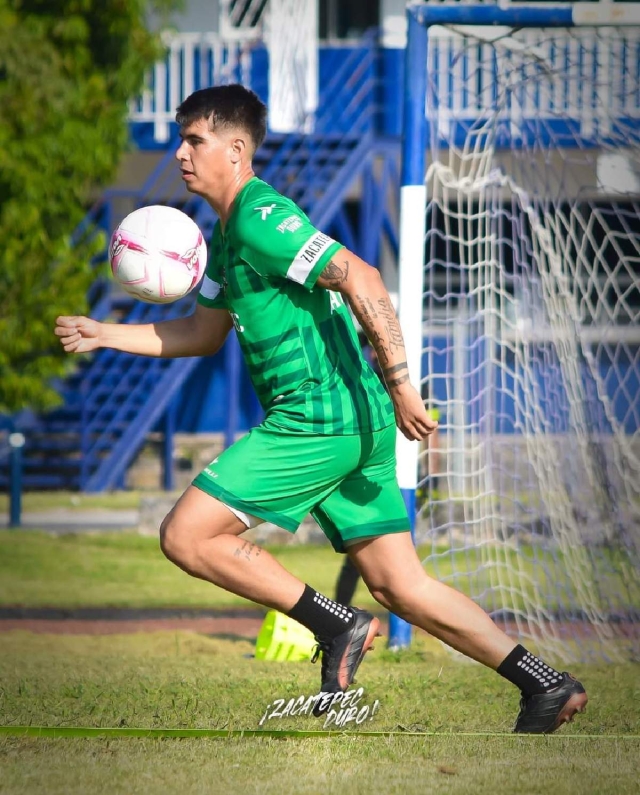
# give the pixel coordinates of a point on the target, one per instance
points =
(246, 518)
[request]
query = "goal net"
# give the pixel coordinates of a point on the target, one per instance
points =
(530, 500)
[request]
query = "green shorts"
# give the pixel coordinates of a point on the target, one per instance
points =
(347, 483)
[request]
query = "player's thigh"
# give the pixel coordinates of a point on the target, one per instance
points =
(368, 501)
(390, 566)
(197, 517)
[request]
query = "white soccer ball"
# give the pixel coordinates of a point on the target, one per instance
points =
(157, 254)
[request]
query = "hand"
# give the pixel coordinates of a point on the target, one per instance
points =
(411, 416)
(78, 334)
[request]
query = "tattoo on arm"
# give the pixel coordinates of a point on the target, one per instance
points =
(335, 274)
(369, 306)
(386, 341)
(396, 368)
(366, 308)
(382, 351)
(397, 381)
(394, 332)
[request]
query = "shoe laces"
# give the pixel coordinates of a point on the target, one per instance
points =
(323, 646)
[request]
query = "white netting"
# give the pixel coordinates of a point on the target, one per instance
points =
(532, 343)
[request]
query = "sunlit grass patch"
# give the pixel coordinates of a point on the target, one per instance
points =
(181, 679)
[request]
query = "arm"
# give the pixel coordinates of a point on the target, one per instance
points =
(200, 334)
(362, 287)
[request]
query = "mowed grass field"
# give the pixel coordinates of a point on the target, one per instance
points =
(178, 679)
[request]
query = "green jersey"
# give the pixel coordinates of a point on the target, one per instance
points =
(298, 340)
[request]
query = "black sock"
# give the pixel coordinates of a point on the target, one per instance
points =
(324, 617)
(527, 672)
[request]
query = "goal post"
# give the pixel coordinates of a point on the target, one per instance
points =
(519, 299)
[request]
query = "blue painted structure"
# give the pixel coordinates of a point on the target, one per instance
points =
(113, 401)
(413, 170)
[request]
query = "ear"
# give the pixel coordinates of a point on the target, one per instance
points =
(238, 149)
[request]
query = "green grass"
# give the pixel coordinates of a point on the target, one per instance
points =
(185, 680)
(336, 766)
(180, 679)
(128, 570)
(71, 500)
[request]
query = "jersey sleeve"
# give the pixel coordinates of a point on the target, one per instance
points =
(279, 240)
(211, 293)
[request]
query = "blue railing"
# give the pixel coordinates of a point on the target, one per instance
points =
(368, 76)
(117, 400)
(114, 400)
(350, 79)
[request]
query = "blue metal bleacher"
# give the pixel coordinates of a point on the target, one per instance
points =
(114, 400)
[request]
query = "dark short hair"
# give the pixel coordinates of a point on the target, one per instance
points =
(230, 106)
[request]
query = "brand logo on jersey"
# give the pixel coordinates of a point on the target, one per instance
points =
(265, 211)
(236, 322)
(290, 224)
(335, 301)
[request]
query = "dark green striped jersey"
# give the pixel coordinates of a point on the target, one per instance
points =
(298, 340)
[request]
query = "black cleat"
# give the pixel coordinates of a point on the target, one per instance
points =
(342, 655)
(546, 712)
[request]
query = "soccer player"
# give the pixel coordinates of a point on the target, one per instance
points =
(327, 443)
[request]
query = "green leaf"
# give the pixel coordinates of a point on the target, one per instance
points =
(67, 71)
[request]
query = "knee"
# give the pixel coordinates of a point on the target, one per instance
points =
(396, 596)
(382, 596)
(173, 543)
(387, 594)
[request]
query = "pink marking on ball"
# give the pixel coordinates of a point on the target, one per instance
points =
(171, 255)
(190, 258)
(121, 242)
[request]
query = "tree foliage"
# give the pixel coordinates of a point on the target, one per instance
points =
(67, 71)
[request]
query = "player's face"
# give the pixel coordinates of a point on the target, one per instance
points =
(204, 158)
